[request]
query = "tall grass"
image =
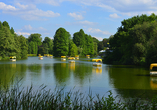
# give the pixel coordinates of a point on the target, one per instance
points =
(18, 98)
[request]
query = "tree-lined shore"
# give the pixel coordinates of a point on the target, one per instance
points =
(135, 42)
(81, 44)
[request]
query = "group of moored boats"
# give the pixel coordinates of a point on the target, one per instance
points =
(72, 60)
(153, 66)
(46, 55)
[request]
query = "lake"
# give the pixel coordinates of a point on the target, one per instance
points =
(124, 81)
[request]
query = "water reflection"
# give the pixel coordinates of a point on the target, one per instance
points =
(129, 77)
(72, 66)
(36, 68)
(82, 73)
(61, 72)
(153, 83)
(97, 70)
(127, 81)
(132, 82)
(9, 72)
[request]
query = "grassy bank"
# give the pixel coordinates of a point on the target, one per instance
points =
(31, 55)
(30, 99)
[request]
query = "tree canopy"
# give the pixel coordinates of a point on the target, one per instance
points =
(134, 41)
(61, 43)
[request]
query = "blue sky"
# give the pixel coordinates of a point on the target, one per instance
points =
(98, 18)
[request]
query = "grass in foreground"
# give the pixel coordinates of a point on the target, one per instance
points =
(41, 99)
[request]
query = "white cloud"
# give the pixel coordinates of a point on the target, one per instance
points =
(22, 6)
(114, 16)
(91, 30)
(76, 16)
(23, 33)
(27, 12)
(109, 8)
(99, 38)
(28, 27)
(86, 23)
(3, 6)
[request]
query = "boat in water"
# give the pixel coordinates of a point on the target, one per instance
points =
(40, 57)
(153, 69)
(12, 58)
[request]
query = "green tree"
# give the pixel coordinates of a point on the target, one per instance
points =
(23, 46)
(84, 43)
(79, 38)
(7, 43)
(61, 42)
(95, 43)
(5, 24)
(32, 48)
(34, 40)
(49, 43)
(72, 49)
(12, 30)
(129, 42)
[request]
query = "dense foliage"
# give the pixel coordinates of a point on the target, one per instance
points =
(84, 43)
(81, 44)
(10, 43)
(61, 42)
(135, 42)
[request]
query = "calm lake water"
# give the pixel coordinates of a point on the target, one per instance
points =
(124, 81)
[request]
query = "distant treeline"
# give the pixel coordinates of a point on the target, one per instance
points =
(135, 42)
(81, 44)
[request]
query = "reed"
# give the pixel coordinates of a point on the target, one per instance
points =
(18, 98)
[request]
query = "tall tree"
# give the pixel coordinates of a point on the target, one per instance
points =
(48, 43)
(72, 49)
(7, 43)
(34, 41)
(35, 38)
(61, 42)
(79, 38)
(129, 43)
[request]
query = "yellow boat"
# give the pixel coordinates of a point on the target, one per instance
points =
(153, 72)
(71, 58)
(63, 56)
(97, 64)
(40, 57)
(87, 56)
(97, 60)
(63, 59)
(12, 58)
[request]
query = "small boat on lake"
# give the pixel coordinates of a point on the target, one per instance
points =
(153, 69)
(97, 64)
(63, 58)
(12, 58)
(87, 56)
(77, 57)
(71, 58)
(97, 60)
(40, 57)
